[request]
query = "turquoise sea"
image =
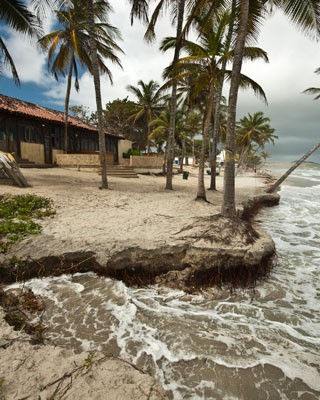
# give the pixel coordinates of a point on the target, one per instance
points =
(250, 345)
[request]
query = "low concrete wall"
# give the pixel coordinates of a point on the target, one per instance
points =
(84, 160)
(141, 162)
(33, 152)
(123, 147)
(54, 155)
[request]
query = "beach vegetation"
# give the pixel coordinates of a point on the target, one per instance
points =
(131, 152)
(17, 215)
(89, 361)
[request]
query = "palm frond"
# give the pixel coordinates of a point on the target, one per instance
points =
(313, 91)
(304, 13)
(139, 9)
(9, 62)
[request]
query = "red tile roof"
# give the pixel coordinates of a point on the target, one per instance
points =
(24, 108)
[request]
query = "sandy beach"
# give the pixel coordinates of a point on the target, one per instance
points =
(132, 213)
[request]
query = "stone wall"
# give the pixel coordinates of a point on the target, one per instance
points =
(84, 160)
(33, 152)
(152, 162)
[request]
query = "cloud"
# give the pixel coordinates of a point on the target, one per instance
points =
(295, 116)
(140, 61)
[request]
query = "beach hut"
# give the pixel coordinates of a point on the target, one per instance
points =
(34, 134)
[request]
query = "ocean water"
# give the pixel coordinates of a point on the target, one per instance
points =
(250, 345)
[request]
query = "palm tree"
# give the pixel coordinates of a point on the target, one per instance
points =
(306, 14)
(205, 59)
(94, 9)
(140, 9)
(253, 130)
(69, 46)
(16, 15)
(161, 125)
(150, 102)
(265, 155)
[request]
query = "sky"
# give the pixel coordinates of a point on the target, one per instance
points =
(293, 58)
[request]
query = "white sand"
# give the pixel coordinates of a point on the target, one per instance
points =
(134, 212)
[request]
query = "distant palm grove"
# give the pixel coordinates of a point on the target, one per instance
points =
(186, 114)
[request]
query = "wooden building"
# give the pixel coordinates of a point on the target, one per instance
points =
(35, 133)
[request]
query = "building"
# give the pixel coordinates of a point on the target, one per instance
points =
(34, 133)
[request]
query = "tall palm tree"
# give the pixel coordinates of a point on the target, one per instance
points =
(304, 13)
(219, 98)
(150, 101)
(205, 59)
(140, 9)
(69, 46)
(15, 14)
(103, 9)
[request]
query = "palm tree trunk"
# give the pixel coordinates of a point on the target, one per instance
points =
(66, 107)
(273, 187)
(201, 195)
(213, 162)
(213, 151)
(183, 152)
(148, 134)
(97, 87)
(216, 125)
(229, 206)
(173, 102)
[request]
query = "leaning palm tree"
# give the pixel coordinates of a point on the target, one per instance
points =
(68, 47)
(15, 14)
(150, 101)
(276, 184)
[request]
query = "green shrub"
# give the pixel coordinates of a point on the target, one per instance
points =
(16, 217)
(131, 152)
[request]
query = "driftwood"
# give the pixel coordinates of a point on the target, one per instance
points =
(10, 169)
(273, 187)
